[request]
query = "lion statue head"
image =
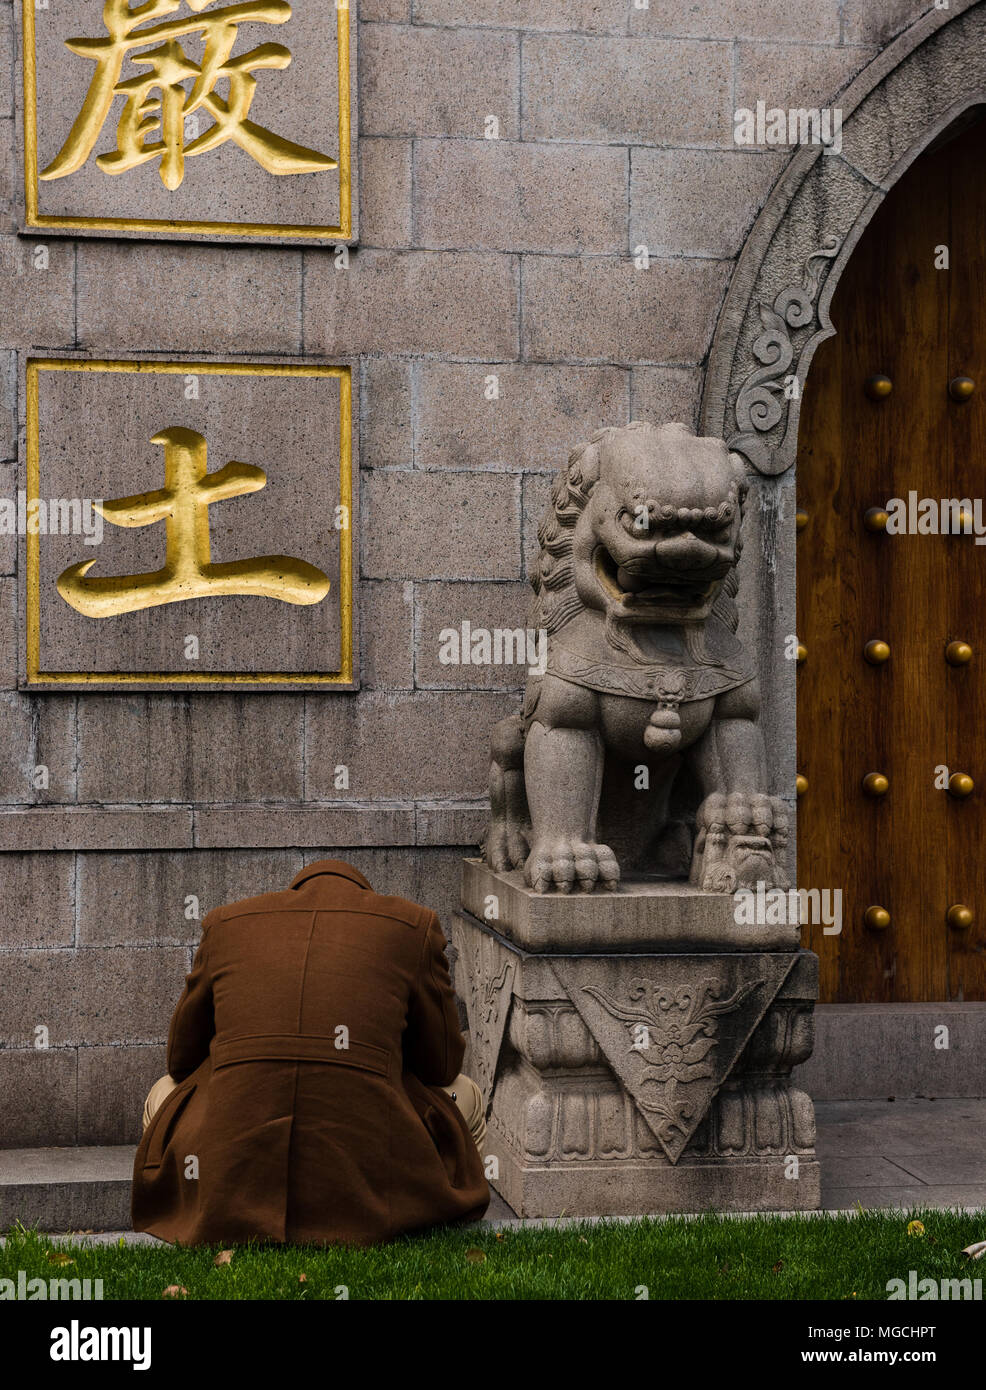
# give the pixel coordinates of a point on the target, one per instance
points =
(644, 526)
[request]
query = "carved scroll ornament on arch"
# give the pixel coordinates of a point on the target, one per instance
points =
(792, 329)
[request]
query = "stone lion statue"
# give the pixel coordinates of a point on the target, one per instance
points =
(639, 746)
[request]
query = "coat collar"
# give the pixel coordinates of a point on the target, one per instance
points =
(330, 866)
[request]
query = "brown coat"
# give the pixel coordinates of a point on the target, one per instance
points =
(294, 1137)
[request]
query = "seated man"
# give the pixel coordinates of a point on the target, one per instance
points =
(313, 1092)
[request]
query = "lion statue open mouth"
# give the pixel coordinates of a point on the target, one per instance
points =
(639, 745)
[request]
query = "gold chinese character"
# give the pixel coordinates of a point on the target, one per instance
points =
(170, 68)
(188, 571)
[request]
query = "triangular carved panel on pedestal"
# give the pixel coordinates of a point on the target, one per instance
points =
(672, 1031)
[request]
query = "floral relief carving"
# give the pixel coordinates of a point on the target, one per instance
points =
(674, 1032)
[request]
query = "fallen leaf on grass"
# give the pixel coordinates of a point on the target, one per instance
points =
(476, 1257)
(225, 1257)
(975, 1251)
(302, 1278)
(175, 1291)
(776, 1269)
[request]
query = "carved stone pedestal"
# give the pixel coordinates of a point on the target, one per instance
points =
(629, 1083)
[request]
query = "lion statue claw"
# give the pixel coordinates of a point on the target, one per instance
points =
(639, 745)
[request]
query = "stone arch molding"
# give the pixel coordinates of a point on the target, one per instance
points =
(776, 310)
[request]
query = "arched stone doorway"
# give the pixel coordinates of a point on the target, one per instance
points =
(775, 316)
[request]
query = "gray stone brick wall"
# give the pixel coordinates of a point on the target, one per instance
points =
(510, 257)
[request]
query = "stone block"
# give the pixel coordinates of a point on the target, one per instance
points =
(8, 440)
(149, 748)
(8, 176)
(37, 750)
(8, 634)
(402, 746)
(698, 202)
(643, 914)
(384, 11)
(476, 518)
(37, 1097)
(82, 827)
(37, 900)
(385, 420)
(794, 74)
(664, 394)
(641, 1084)
(133, 748)
(604, 308)
(451, 825)
(582, 16)
(264, 594)
(456, 305)
(192, 299)
(7, 61)
(411, 81)
(538, 414)
(388, 635)
(609, 97)
(496, 615)
(97, 995)
(290, 827)
(385, 192)
(287, 173)
(37, 290)
(247, 749)
(815, 22)
(501, 195)
(8, 539)
(162, 899)
(113, 1084)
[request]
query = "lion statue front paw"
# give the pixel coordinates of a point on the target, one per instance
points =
(561, 863)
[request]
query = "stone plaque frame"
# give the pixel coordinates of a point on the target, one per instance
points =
(342, 232)
(35, 678)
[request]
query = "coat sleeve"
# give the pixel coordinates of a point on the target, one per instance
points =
(433, 1043)
(193, 1026)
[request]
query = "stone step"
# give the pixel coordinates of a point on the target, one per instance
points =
(896, 1051)
(86, 1189)
(83, 1189)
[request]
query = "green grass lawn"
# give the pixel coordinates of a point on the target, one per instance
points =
(829, 1257)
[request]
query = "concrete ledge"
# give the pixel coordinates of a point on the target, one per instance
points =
(886, 1051)
(85, 1189)
(226, 826)
(304, 827)
(95, 827)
